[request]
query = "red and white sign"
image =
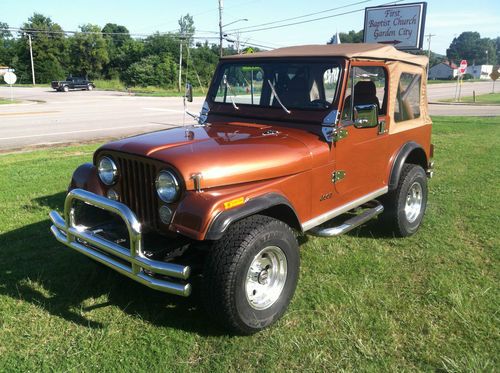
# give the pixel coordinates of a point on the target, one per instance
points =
(463, 67)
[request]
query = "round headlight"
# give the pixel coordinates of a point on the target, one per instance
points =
(167, 186)
(108, 172)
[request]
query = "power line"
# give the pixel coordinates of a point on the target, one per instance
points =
(314, 19)
(66, 32)
(302, 16)
(173, 36)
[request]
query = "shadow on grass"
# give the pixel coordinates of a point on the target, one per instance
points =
(35, 268)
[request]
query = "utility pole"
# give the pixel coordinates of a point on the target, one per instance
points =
(180, 64)
(180, 56)
(429, 37)
(31, 55)
(220, 26)
(238, 42)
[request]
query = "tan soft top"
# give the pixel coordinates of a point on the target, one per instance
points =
(352, 51)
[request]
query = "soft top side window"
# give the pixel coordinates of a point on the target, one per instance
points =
(407, 105)
(370, 87)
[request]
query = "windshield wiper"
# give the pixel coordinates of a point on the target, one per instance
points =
(277, 97)
(231, 93)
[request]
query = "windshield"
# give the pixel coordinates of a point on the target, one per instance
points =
(282, 84)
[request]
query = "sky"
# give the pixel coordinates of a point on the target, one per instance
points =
(445, 18)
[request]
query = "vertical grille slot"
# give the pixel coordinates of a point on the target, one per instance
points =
(137, 190)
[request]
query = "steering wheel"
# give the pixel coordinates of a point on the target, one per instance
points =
(320, 102)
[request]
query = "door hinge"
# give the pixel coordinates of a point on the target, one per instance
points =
(337, 176)
(382, 127)
(339, 134)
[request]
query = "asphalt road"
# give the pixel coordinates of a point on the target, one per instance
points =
(47, 117)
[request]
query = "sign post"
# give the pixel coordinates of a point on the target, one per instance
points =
(399, 25)
(10, 78)
(461, 72)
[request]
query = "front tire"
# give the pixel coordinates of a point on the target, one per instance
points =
(404, 207)
(251, 274)
(90, 87)
(65, 88)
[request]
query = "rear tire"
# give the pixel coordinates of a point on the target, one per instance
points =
(404, 207)
(251, 274)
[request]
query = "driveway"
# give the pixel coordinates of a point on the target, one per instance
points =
(79, 116)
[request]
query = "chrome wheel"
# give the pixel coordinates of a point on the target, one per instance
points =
(266, 277)
(413, 204)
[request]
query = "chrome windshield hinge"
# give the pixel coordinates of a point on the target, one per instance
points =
(197, 177)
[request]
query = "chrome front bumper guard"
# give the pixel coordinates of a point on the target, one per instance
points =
(74, 236)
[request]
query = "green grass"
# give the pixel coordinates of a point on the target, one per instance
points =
(488, 98)
(117, 85)
(439, 81)
(25, 85)
(365, 302)
(4, 101)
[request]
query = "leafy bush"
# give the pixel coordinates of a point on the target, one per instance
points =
(151, 71)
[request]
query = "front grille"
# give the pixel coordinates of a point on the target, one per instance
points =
(138, 192)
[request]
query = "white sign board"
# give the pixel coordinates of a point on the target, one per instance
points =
(10, 77)
(399, 25)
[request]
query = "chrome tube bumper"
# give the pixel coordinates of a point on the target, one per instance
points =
(132, 263)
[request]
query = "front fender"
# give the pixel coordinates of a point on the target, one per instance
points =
(85, 177)
(262, 203)
(202, 216)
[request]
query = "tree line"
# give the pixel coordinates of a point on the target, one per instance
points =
(107, 53)
(468, 46)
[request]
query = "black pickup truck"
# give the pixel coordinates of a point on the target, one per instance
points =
(72, 83)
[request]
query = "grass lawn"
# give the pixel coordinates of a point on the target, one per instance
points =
(117, 85)
(439, 81)
(5, 101)
(488, 98)
(365, 302)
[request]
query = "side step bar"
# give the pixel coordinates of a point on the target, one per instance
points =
(349, 224)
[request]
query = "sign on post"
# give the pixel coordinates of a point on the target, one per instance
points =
(10, 78)
(399, 25)
(463, 67)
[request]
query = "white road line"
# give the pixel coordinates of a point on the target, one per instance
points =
(79, 131)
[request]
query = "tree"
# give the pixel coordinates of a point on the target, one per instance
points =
(350, 37)
(471, 47)
(186, 28)
(152, 71)
(161, 45)
(89, 51)
(117, 37)
(117, 34)
(203, 61)
(49, 49)
(4, 31)
(5, 44)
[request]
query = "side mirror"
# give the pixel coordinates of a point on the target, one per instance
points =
(365, 116)
(189, 92)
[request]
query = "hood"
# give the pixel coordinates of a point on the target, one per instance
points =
(224, 153)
